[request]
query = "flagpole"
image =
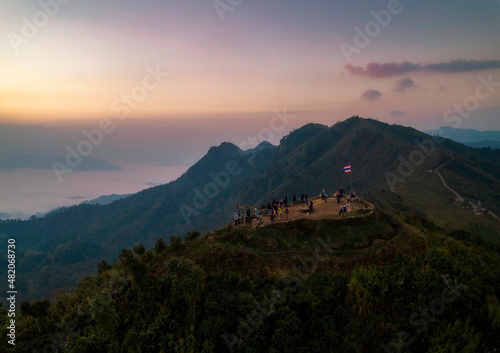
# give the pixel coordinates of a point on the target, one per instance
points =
(352, 186)
(348, 169)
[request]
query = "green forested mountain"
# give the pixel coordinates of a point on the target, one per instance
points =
(378, 283)
(59, 250)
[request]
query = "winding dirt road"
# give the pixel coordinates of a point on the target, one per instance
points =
(459, 198)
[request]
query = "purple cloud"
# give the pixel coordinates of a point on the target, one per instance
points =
(404, 83)
(371, 94)
(376, 70)
(397, 112)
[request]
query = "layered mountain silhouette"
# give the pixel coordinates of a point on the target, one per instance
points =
(105, 199)
(58, 250)
(13, 161)
(469, 137)
(482, 144)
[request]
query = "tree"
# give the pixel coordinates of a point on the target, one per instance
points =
(190, 236)
(37, 309)
(139, 249)
(175, 242)
(188, 283)
(103, 267)
(160, 246)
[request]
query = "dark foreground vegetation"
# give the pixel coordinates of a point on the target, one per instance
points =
(389, 283)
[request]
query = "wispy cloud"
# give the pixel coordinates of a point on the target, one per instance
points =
(404, 83)
(397, 112)
(371, 94)
(376, 70)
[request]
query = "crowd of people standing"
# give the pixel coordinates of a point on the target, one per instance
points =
(278, 208)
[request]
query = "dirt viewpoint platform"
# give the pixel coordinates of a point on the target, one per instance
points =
(321, 210)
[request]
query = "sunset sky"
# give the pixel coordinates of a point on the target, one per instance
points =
(259, 57)
(176, 77)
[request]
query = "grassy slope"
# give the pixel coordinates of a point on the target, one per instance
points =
(277, 249)
(358, 297)
(428, 195)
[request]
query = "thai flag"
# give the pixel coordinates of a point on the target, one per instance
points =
(347, 169)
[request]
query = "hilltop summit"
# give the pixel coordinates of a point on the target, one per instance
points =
(390, 164)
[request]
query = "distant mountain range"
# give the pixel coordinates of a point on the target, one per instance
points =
(483, 144)
(57, 251)
(12, 161)
(469, 137)
(105, 199)
(101, 200)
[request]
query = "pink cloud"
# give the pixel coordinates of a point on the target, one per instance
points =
(377, 70)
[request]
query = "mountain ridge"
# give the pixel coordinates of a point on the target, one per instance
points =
(465, 135)
(483, 144)
(308, 159)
